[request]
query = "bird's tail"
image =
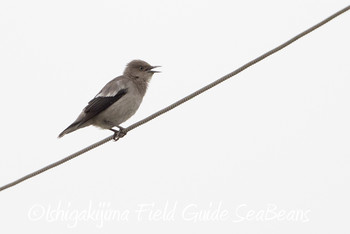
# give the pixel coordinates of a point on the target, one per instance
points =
(71, 128)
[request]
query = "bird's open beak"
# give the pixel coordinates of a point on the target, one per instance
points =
(150, 70)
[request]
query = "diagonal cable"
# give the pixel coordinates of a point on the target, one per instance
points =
(179, 102)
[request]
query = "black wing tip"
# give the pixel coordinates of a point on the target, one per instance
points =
(74, 126)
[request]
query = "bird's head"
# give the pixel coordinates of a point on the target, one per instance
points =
(138, 69)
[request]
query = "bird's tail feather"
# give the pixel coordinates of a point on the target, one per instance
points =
(71, 128)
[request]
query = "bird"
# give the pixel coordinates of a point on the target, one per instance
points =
(117, 101)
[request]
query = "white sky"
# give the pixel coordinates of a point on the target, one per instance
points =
(273, 139)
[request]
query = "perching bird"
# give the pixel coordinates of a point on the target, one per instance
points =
(117, 101)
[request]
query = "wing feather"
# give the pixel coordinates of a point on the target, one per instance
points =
(111, 93)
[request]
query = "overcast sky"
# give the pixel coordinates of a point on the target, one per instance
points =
(264, 152)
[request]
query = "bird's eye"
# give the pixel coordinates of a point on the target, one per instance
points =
(141, 68)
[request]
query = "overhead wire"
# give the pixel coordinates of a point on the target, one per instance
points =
(177, 103)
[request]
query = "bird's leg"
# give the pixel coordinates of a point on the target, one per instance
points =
(122, 131)
(118, 133)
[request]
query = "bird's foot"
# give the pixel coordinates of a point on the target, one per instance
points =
(118, 133)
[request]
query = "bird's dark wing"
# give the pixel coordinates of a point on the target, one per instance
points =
(99, 104)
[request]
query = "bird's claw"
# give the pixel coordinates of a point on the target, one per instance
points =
(118, 133)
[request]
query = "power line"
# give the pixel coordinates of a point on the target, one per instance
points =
(179, 102)
(235, 72)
